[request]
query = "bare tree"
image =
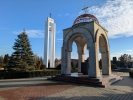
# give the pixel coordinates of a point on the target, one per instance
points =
(125, 59)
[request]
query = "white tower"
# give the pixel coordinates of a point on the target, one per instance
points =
(49, 47)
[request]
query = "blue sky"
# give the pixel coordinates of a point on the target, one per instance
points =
(15, 15)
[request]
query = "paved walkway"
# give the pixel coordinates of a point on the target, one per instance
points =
(42, 89)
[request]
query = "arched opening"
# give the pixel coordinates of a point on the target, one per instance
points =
(103, 50)
(86, 54)
(74, 58)
(80, 42)
(99, 59)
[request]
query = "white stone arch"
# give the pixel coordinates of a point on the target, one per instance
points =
(91, 33)
(67, 47)
(80, 41)
(103, 44)
(80, 31)
(71, 39)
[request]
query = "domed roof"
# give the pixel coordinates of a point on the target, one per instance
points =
(85, 18)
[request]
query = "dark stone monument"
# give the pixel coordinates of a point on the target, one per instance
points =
(114, 60)
(84, 68)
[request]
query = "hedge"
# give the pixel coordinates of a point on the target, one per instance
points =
(18, 74)
(131, 74)
(24, 74)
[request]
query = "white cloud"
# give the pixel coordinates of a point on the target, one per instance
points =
(59, 15)
(129, 50)
(118, 54)
(62, 15)
(35, 33)
(32, 33)
(116, 16)
(67, 15)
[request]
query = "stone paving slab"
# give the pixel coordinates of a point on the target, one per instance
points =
(42, 89)
(121, 90)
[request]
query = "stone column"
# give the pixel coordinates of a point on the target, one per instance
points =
(83, 58)
(79, 62)
(109, 63)
(104, 63)
(106, 67)
(68, 67)
(81, 52)
(93, 70)
(63, 61)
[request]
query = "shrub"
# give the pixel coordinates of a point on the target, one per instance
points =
(74, 69)
(113, 66)
(18, 74)
(43, 67)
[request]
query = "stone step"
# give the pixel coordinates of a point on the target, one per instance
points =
(77, 79)
(99, 82)
(80, 77)
(79, 82)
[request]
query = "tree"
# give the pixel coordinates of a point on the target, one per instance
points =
(23, 56)
(56, 60)
(38, 62)
(6, 59)
(11, 62)
(41, 60)
(125, 59)
(1, 61)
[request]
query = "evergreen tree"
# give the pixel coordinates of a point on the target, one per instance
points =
(11, 62)
(6, 59)
(23, 56)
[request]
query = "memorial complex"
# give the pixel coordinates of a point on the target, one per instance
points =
(87, 33)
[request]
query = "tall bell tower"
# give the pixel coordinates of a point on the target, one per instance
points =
(49, 46)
